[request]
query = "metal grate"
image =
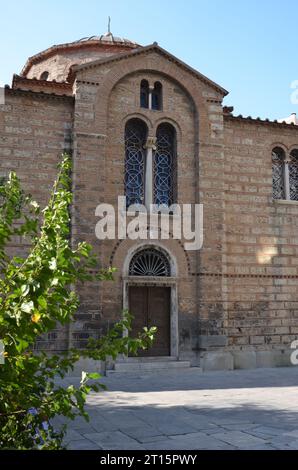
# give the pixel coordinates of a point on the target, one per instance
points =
(163, 184)
(149, 262)
(293, 175)
(135, 135)
(278, 186)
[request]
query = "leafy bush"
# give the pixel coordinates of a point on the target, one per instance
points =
(37, 292)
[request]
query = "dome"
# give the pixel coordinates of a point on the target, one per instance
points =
(56, 62)
(107, 38)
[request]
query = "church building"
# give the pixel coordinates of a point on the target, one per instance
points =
(141, 123)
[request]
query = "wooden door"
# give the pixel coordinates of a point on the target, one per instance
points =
(150, 306)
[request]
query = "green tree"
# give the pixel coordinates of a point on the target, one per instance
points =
(37, 293)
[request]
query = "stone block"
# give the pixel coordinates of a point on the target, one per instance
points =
(274, 358)
(245, 359)
(212, 341)
(217, 361)
(86, 365)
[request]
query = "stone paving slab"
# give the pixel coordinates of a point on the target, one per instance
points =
(113, 441)
(293, 445)
(83, 444)
(72, 435)
(196, 441)
(255, 409)
(239, 439)
(141, 432)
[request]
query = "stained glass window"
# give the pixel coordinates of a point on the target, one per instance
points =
(293, 175)
(278, 183)
(164, 165)
(135, 138)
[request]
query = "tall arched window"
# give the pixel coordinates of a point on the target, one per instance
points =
(285, 174)
(157, 96)
(278, 173)
(164, 166)
(293, 175)
(144, 94)
(135, 139)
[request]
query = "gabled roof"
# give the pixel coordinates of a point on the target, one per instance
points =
(143, 50)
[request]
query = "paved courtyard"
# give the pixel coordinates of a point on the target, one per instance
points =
(189, 410)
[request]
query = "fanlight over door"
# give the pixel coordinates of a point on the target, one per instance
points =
(149, 262)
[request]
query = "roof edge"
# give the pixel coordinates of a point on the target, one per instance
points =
(250, 120)
(36, 58)
(16, 79)
(38, 94)
(156, 47)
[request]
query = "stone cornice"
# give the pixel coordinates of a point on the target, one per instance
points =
(266, 122)
(38, 94)
(18, 80)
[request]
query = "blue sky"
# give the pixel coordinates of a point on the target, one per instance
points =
(248, 47)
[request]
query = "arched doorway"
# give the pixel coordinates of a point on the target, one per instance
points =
(151, 299)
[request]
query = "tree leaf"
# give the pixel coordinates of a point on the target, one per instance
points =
(27, 307)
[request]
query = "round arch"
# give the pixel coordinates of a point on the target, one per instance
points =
(158, 247)
(181, 78)
(172, 122)
(139, 116)
(112, 82)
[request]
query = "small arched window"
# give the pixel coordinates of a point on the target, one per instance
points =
(144, 94)
(44, 75)
(157, 96)
(293, 175)
(150, 262)
(135, 139)
(164, 178)
(278, 173)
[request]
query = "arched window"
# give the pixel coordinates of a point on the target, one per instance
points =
(293, 175)
(278, 173)
(285, 174)
(164, 167)
(144, 94)
(44, 75)
(135, 138)
(157, 96)
(150, 262)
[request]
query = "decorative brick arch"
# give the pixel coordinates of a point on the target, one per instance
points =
(171, 121)
(281, 145)
(138, 116)
(149, 61)
(176, 246)
(192, 93)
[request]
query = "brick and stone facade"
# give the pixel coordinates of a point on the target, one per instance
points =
(234, 302)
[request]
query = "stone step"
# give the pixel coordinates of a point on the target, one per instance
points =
(134, 360)
(147, 367)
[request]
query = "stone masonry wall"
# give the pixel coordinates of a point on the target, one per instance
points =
(261, 267)
(34, 131)
(106, 96)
